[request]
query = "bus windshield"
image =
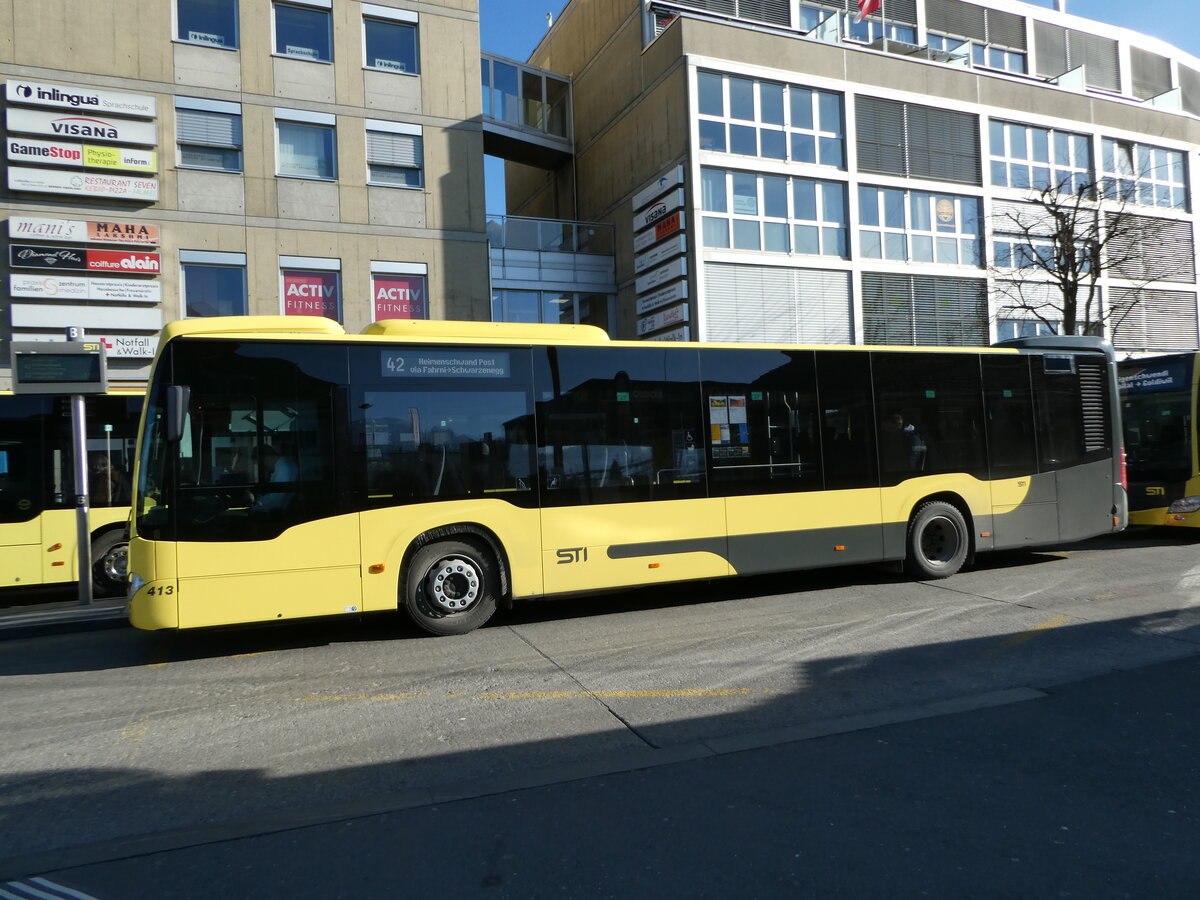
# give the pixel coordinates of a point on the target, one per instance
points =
(1157, 409)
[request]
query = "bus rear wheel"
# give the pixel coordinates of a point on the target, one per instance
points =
(937, 541)
(110, 563)
(451, 587)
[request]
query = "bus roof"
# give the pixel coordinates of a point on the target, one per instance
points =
(472, 332)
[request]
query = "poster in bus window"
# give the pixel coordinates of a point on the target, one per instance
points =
(311, 294)
(398, 296)
(727, 422)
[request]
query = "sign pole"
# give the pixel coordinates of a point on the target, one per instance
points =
(83, 533)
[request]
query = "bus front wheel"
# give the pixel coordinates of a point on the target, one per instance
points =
(937, 541)
(110, 560)
(451, 587)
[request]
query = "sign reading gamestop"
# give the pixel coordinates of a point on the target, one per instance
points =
(311, 294)
(398, 296)
(97, 157)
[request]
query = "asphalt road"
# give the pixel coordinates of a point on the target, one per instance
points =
(838, 733)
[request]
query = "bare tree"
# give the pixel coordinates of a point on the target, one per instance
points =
(1052, 249)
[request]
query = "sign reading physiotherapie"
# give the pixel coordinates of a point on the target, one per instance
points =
(93, 155)
(39, 93)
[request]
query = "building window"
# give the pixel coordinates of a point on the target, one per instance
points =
(1145, 175)
(982, 55)
(304, 30)
(560, 307)
(214, 284)
(310, 286)
(399, 291)
(924, 309)
(209, 133)
(390, 39)
(916, 226)
(395, 154)
(897, 138)
(307, 144)
(1026, 156)
(211, 22)
(773, 213)
(1020, 251)
(1010, 329)
(770, 120)
(869, 30)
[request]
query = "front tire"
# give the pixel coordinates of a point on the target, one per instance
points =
(110, 564)
(937, 541)
(451, 587)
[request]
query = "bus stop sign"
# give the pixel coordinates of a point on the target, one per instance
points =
(59, 367)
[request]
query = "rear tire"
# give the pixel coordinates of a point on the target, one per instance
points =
(937, 541)
(110, 564)
(451, 587)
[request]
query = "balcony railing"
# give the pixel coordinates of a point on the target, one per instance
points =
(550, 235)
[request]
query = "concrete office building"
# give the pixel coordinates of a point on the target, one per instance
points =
(215, 157)
(776, 171)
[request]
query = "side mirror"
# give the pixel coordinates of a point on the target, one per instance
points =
(178, 396)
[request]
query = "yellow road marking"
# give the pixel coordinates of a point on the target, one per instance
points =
(321, 698)
(1030, 633)
(621, 695)
(136, 731)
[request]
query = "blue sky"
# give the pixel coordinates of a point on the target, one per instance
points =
(513, 28)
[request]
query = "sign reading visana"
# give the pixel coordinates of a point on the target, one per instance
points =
(414, 362)
(38, 93)
(81, 125)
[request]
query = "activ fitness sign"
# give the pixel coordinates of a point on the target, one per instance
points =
(39, 93)
(311, 294)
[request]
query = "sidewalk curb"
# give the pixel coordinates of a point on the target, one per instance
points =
(34, 621)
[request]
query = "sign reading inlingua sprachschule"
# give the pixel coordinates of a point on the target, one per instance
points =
(63, 96)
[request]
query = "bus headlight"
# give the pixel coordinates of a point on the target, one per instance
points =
(1186, 505)
(136, 583)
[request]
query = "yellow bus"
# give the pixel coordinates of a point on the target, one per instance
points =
(287, 469)
(38, 543)
(1158, 410)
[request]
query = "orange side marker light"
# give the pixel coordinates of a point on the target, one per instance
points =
(655, 565)
(53, 547)
(839, 546)
(376, 568)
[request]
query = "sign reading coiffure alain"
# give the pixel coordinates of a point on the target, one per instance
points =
(39, 93)
(125, 262)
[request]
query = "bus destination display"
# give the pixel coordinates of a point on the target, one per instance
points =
(420, 363)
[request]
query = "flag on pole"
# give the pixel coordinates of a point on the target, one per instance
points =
(865, 8)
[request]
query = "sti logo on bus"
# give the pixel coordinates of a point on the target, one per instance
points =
(1156, 491)
(571, 555)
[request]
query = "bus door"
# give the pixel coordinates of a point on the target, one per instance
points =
(23, 488)
(621, 469)
(260, 524)
(796, 465)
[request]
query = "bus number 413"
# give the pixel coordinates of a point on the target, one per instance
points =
(571, 555)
